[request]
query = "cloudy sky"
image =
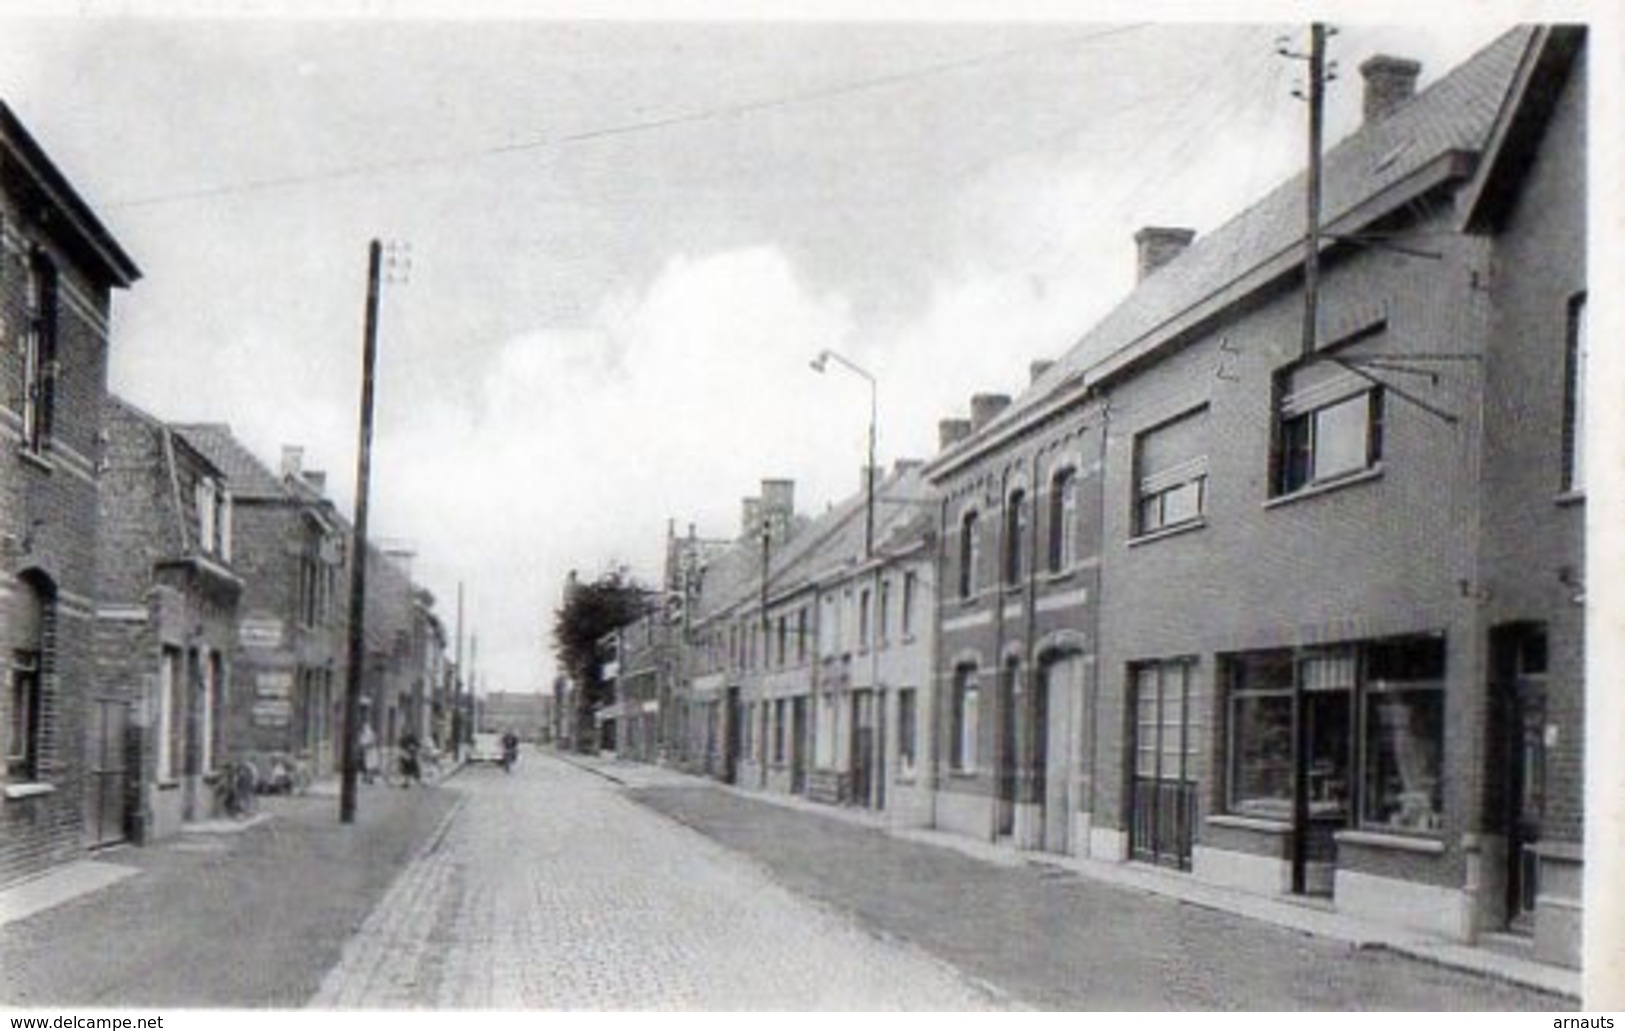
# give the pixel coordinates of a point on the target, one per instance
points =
(627, 238)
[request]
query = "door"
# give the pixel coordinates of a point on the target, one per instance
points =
(1523, 728)
(1057, 699)
(1009, 698)
(862, 746)
(1322, 773)
(733, 721)
(1162, 807)
(108, 786)
(798, 745)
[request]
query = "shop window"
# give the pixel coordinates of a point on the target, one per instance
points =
(1015, 536)
(1170, 468)
(1574, 398)
(1063, 520)
(1404, 736)
(966, 719)
(1260, 774)
(1329, 426)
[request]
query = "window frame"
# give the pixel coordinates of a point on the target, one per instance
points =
(965, 721)
(1017, 522)
(1296, 451)
(40, 361)
(1063, 519)
(1575, 370)
(1158, 488)
(970, 553)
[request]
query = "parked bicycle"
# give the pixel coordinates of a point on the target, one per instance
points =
(235, 786)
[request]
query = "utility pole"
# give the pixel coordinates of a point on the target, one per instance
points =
(358, 555)
(473, 697)
(1315, 95)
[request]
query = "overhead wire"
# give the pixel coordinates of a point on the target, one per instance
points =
(623, 129)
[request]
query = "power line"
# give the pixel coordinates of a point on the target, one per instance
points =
(623, 129)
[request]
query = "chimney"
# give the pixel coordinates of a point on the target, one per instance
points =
(951, 432)
(293, 459)
(778, 506)
(1158, 245)
(983, 407)
(1389, 82)
(1038, 368)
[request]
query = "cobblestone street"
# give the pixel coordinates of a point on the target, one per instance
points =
(550, 890)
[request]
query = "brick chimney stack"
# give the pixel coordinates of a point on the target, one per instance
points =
(1158, 245)
(951, 432)
(1389, 83)
(985, 407)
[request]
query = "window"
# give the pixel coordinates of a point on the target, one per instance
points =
(863, 619)
(214, 519)
(1574, 398)
(826, 628)
(1330, 426)
(970, 553)
(778, 732)
(784, 632)
(1164, 738)
(883, 628)
(907, 722)
(1015, 536)
(908, 604)
(1170, 469)
(26, 636)
(746, 731)
(825, 743)
(39, 352)
(801, 634)
(1063, 520)
(167, 726)
(1260, 778)
(1404, 736)
(1376, 707)
(966, 717)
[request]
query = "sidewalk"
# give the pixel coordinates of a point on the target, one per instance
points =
(1502, 964)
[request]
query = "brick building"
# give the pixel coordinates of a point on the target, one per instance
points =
(1334, 614)
(166, 627)
(288, 547)
(58, 269)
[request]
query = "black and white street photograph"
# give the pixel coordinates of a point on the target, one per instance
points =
(744, 507)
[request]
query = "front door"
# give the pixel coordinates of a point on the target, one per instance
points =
(1009, 697)
(861, 745)
(733, 722)
(798, 745)
(1523, 703)
(109, 778)
(1058, 694)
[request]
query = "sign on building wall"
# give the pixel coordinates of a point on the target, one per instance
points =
(260, 633)
(273, 698)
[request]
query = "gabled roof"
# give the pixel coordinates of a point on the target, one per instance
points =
(246, 476)
(1435, 133)
(157, 425)
(89, 237)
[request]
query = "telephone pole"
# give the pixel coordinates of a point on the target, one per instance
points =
(457, 717)
(358, 554)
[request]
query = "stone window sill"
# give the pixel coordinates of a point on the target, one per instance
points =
(35, 458)
(1397, 842)
(1329, 487)
(1249, 823)
(33, 790)
(1199, 523)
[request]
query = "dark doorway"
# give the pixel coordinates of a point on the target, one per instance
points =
(1010, 696)
(1520, 656)
(733, 722)
(106, 805)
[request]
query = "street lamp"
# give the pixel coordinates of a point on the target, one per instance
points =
(818, 365)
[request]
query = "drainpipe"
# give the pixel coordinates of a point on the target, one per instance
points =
(1100, 576)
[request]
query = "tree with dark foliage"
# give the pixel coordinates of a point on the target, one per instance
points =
(590, 611)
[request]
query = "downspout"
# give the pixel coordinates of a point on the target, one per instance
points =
(1097, 669)
(934, 738)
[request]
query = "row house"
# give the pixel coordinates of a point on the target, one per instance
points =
(59, 267)
(804, 662)
(1301, 612)
(289, 549)
(166, 631)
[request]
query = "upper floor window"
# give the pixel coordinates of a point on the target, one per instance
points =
(1015, 536)
(801, 634)
(1170, 469)
(1063, 520)
(39, 352)
(214, 519)
(783, 632)
(863, 618)
(1329, 426)
(1574, 397)
(884, 618)
(909, 589)
(970, 553)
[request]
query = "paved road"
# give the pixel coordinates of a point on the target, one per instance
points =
(551, 890)
(237, 921)
(1054, 940)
